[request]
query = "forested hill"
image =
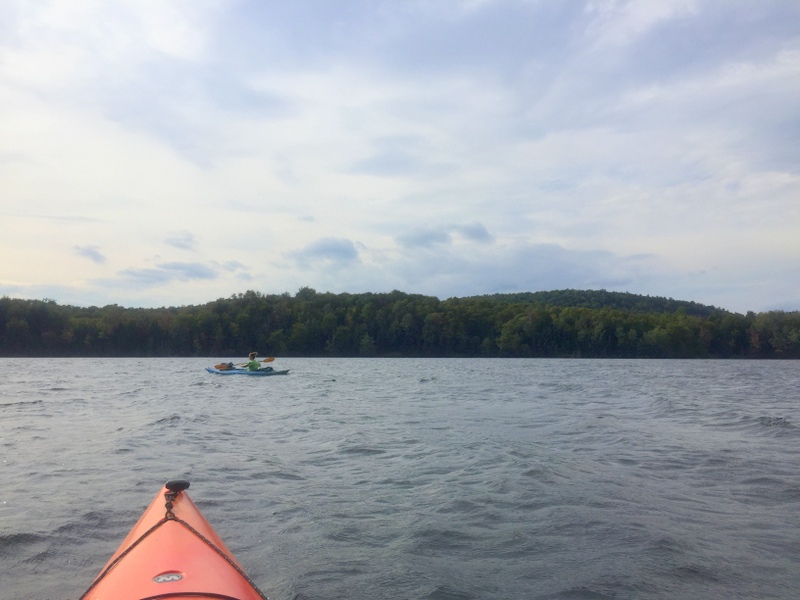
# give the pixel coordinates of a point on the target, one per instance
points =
(566, 323)
(602, 299)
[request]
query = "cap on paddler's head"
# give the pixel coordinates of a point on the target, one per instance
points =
(253, 354)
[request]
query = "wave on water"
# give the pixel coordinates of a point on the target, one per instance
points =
(578, 593)
(742, 420)
(20, 403)
(11, 543)
(170, 420)
(775, 421)
(362, 450)
(446, 593)
(773, 426)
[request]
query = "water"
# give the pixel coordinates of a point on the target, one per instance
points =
(415, 479)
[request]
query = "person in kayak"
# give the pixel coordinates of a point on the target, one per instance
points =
(253, 364)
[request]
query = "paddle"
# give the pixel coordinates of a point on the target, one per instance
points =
(266, 360)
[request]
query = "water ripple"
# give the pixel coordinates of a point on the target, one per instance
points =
(469, 479)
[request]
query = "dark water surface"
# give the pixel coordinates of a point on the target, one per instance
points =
(415, 479)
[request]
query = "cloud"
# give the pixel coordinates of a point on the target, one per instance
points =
(424, 238)
(398, 156)
(184, 240)
(233, 265)
(336, 251)
(91, 252)
(428, 237)
(494, 268)
(388, 163)
(166, 273)
(238, 270)
(475, 232)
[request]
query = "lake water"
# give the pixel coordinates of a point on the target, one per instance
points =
(415, 479)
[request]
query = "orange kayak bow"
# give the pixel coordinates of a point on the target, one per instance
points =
(172, 552)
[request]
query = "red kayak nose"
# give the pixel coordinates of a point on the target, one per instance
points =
(172, 552)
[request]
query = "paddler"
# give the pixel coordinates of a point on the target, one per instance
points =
(253, 364)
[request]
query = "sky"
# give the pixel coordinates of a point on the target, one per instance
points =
(170, 153)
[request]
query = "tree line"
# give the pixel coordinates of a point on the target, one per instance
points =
(565, 323)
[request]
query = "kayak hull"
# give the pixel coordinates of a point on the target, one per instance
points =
(173, 554)
(260, 373)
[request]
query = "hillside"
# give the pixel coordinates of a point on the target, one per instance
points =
(563, 323)
(599, 299)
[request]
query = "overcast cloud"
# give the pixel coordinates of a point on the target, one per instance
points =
(170, 153)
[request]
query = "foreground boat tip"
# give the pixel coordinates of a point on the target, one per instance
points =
(172, 552)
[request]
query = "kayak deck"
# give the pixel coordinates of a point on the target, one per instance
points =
(172, 552)
(259, 373)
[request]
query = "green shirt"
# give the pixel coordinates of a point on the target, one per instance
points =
(253, 365)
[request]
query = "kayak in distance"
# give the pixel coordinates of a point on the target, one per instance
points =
(173, 552)
(264, 371)
(230, 369)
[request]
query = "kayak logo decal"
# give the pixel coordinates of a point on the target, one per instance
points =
(168, 577)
